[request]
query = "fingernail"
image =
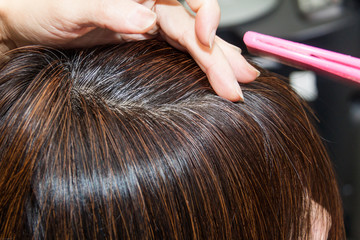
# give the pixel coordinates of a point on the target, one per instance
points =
(239, 92)
(212, 38)
(257, 73)
(142, 18)
(238, 49)
(253, 69)
(154, 30)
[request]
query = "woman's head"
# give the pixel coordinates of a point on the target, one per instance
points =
(130, 141)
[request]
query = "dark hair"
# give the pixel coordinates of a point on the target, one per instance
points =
(130, 142)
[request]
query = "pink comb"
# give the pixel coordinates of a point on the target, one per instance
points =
(304, 56)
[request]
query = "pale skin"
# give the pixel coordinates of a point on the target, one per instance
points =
(85, 23)
(320, 222)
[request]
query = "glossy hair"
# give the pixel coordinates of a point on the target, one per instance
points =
(130, 142)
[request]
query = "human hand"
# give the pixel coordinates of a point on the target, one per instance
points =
(222, 62)
(84, 23)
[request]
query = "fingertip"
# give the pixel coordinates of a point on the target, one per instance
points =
(142, 19)
(206, 23)
(240, 93)
(126, 17)
(212, 38)
(233, 95)
(253, 73)
(243, 70)
(225, 85)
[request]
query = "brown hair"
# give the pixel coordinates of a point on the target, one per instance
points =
(130, 142)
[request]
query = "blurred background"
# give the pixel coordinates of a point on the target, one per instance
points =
(328, 24)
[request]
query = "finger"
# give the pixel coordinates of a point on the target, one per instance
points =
(172, 42)
(243, 71)
(207, 19)
(219, 72)
(125, 16)
(179, 27)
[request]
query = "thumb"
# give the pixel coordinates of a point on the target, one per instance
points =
(125, 16)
